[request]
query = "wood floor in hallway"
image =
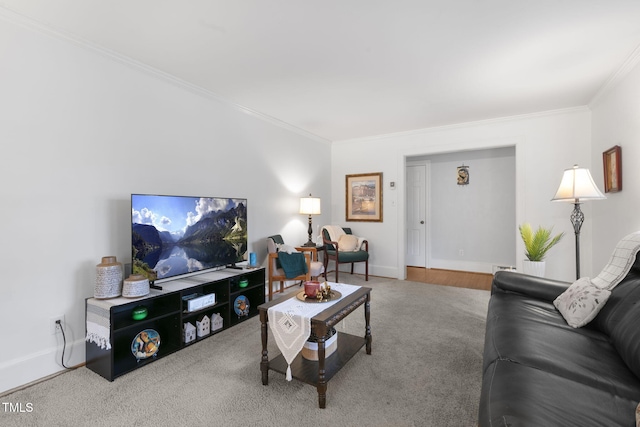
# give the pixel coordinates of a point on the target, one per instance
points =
(461, 279)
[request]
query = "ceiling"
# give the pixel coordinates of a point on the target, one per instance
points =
(344, 69)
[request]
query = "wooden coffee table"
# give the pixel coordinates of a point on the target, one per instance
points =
(319, 372)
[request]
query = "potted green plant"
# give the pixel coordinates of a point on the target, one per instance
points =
(536, 245)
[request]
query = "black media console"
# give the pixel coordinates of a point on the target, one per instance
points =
(238, 293)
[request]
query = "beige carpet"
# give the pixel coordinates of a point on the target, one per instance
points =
(425, 370)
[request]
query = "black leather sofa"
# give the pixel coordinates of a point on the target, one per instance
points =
(539, 371)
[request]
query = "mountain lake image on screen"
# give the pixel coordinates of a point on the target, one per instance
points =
(178, 235)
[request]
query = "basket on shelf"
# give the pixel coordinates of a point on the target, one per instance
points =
(310, 349)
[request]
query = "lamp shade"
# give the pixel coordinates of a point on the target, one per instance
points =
(310, 205)
(577, 184)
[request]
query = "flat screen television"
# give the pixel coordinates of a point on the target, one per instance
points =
(178, 235)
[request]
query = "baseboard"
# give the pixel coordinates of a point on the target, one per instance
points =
(374, 270)
(16, 373)
(459, 271)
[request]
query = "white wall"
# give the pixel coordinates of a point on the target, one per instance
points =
(616, 121)
(80, 132)
(546, 144)
(472, 227)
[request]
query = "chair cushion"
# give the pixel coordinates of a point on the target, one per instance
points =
(357, 256)
(519, 395)
(623, 297)
(530, 332)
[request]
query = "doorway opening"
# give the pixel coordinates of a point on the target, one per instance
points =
(456, 226)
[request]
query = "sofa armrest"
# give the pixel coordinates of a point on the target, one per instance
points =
(537, 287)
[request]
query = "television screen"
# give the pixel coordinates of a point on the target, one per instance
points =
(176, 235)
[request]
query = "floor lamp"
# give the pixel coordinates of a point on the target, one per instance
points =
(310, 206)
(577, 186)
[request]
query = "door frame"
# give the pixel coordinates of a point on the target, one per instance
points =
(427, 209)
(404, 155)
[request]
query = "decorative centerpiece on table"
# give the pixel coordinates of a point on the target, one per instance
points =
(324, 292)
(318, 292)
(536, 245)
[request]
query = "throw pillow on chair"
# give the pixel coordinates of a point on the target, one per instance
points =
(348, 243)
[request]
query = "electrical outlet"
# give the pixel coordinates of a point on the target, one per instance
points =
(461, 252)
(56, 328)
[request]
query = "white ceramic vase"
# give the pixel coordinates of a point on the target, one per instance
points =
(108, 278)
(135, 286)
(533, 268)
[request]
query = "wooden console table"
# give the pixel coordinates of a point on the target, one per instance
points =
(318, 373)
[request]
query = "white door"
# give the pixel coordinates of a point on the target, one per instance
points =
(416, 254)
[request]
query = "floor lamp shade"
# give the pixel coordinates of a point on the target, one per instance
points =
(310, 206)
(577, 186)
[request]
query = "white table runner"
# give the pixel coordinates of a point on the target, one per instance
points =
(99, 323)
(290, 322)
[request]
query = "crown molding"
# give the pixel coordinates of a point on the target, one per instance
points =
(30, 23)
(626, 67)
(497, 120)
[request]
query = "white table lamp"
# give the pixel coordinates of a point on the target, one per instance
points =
(310, 206)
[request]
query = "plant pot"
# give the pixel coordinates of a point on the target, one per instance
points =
(533, 268)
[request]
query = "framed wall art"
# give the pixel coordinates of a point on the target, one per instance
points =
(612, 159)
(463, 175)
(364, 197)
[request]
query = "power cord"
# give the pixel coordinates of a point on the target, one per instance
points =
(64, 346)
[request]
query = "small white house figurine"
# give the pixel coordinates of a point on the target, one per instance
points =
(203, 326)
(188, 333)
(216, 322)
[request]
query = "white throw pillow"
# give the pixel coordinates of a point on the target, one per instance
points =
(348, 243)
(581, 302)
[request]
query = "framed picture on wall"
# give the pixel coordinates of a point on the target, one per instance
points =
(612, 159)
(463, 175)
(364, 197)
